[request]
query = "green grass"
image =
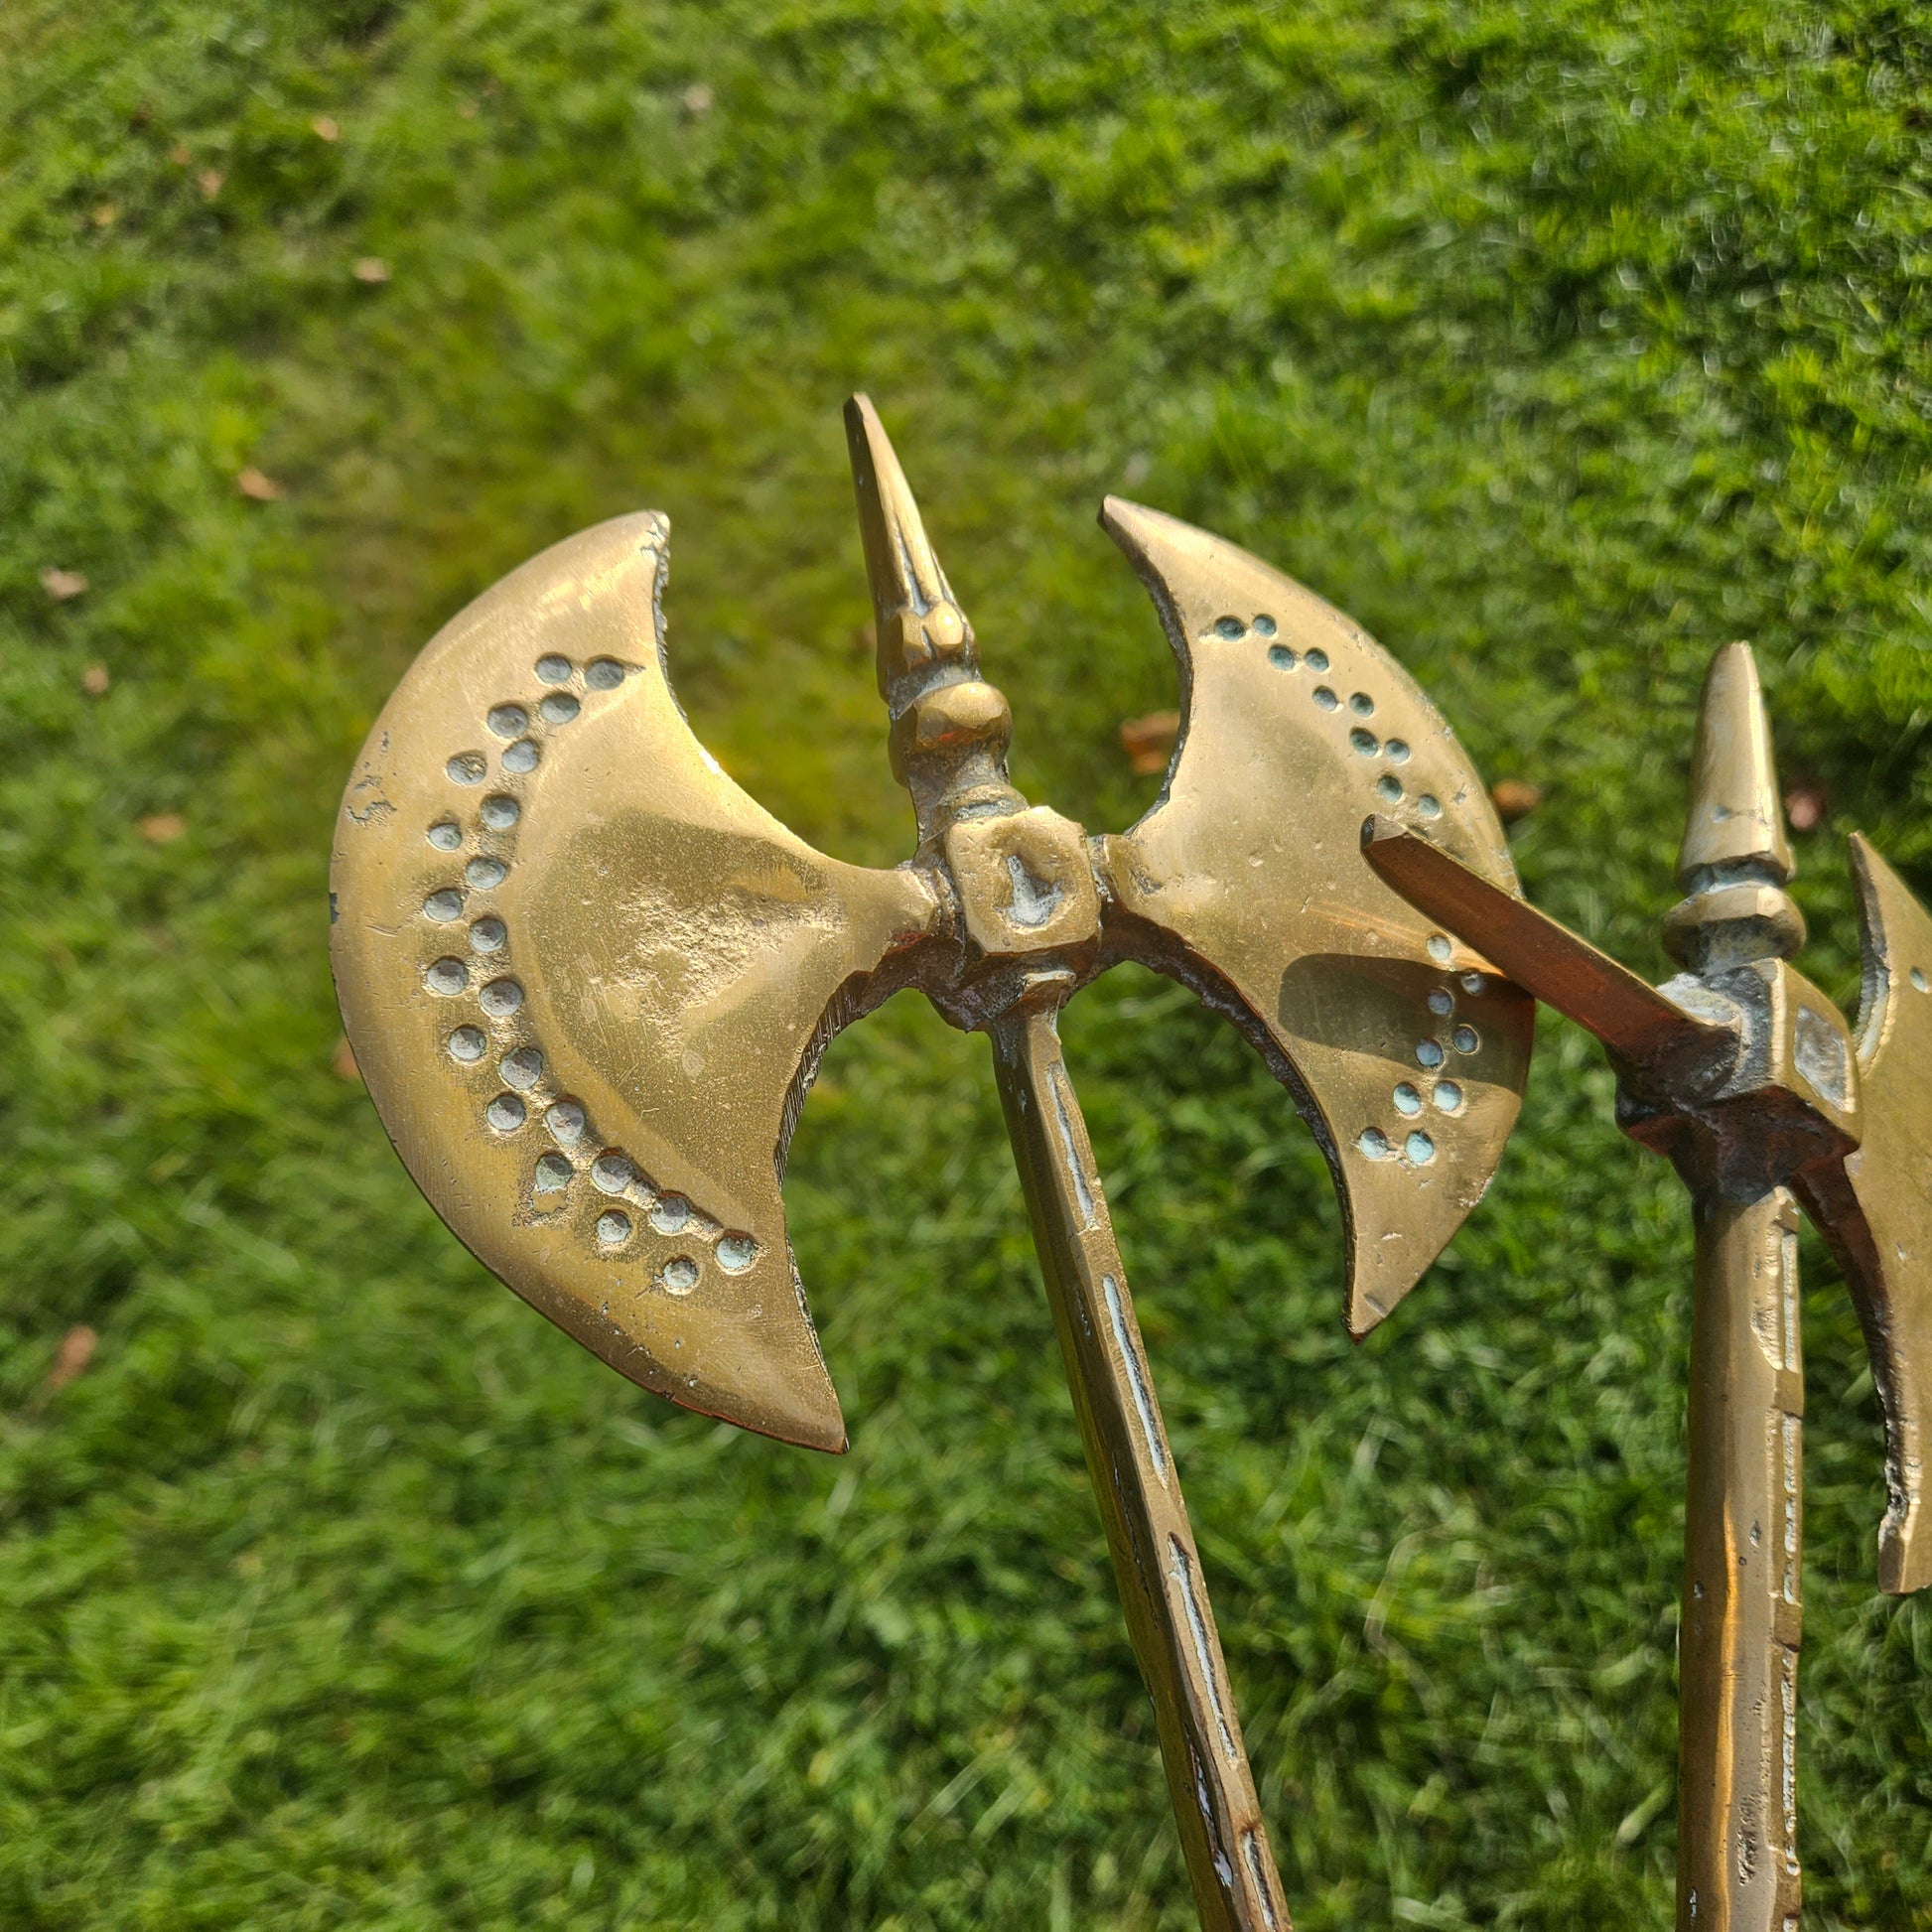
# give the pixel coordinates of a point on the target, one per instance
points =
(1556, 342)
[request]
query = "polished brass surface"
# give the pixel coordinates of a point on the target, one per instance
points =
(1162, 1584)
(1748, 1078)
(587, 1017)
(1023, 883)
(1734, 818)
(1245, 880)
(588, 980)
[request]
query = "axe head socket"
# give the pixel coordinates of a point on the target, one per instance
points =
(1784, 1096)
(1025, 884)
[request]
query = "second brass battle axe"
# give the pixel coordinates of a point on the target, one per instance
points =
(589, 980)
(1747, 1077)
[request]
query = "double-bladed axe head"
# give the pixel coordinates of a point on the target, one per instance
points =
(1755, 1057)
(588, 979)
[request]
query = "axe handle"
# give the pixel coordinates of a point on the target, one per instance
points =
(1541, 955)
(1737, 1652)
(1156, 1564)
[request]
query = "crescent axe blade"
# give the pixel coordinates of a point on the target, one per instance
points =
(1405, 1051)
(587, 979)
(1874, 1207)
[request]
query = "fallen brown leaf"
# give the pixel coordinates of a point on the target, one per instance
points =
(75, 1351)
(163, 828)
(1148, 740)
(343, 1062)
(261, 489)
(181, 153)
(371, 268)
(324, 128)
(1514, 798)
(94, 680)
(1806, 805)
(107, 214)
(210, 181)
(60, 584)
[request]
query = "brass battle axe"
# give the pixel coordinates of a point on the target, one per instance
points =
(1747, 1077)
(589, 981)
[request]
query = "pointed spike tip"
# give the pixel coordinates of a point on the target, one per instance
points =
(903, 572)
(1736, 817)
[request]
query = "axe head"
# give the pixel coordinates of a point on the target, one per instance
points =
(588, 979)
(1404, 1049)
(1874, 1207)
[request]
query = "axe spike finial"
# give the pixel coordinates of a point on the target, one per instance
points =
(950, 728)
(899, 559)
(1735, 817)
(1736, 859)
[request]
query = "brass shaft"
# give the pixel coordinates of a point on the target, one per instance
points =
(1135, 1481)
(1737, 1857)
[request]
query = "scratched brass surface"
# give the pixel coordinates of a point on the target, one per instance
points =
(1748, 1078)
(1743, 1616)
(674, 953)
(1163, 1588)
(1246, 880)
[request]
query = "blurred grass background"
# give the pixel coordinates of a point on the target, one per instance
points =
(1557, 341)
